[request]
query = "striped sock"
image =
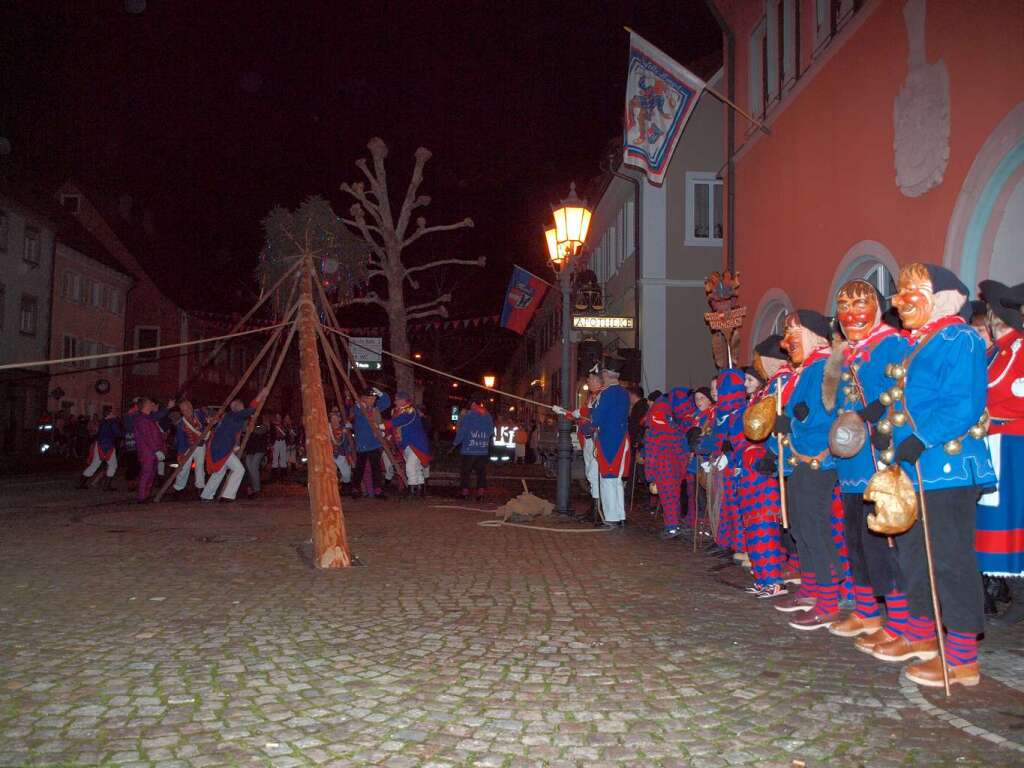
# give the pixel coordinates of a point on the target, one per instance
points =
(920, 628)
(828, 598)
(867, 606)
(808, 585)
(961, 648)
(896, 608)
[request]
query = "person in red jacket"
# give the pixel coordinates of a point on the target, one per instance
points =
(999, 539)
(149, 442)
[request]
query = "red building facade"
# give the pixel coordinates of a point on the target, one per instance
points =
(897, 135)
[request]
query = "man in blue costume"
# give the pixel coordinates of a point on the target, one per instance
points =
(220, 455)
(935, 405)
(473, 438)
(412, 442)
(367, 427)
(104, 449)
(611, 420)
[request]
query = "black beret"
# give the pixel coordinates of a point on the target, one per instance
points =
(945, 280)
(815, 322)
(770, 348)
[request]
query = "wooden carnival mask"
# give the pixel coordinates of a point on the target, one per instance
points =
(895, 501)
(915, 300)
(858, 310)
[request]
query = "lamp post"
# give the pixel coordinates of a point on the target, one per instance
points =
(565, 241)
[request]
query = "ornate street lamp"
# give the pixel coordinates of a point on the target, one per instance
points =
(489, 381)
(564, 243)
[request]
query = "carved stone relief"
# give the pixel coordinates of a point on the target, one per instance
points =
(921, 113)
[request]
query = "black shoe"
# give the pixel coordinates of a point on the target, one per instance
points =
(672, 532)
(226, 500)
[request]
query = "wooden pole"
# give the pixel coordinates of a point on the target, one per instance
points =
(330, 544)
(234, 392)
(931, 579)
(269, 384)
(782, 473)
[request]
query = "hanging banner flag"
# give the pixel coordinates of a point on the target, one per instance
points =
(660, 96)
(525, 293)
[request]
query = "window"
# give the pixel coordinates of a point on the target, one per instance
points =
(70, 348)
(759, 68)
(829, 18)
(86, 347)
(30, 252)
(875, 272)
(97, 295)
(86, 293)
(771, 318)
(781, 39)
(703, 209)
(115, 301)
(71, 203)
(630, 226)
(28, 315)
(146, 336)
(5, 229)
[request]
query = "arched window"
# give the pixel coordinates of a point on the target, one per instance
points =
(867, 260)
(771, 315)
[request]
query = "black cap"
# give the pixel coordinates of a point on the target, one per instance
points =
(1004, 301)
(945, 280)
(612, 364)
(770, 347)
(751, 371)
(891, 317)
(706, 391)
(655, 395)
(815, 322)
(979, 307)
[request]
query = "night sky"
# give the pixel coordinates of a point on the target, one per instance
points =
(209, 112)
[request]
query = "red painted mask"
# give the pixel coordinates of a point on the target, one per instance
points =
(915, 301)
(857, 310)
(793, 340)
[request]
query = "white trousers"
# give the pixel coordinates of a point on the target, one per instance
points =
(279, 455)
(161, 458)
(94, 465)
(613, 499)
(389, 468)
(590, 465)
(198, 458)
(415, 472)
(341, 462)
(234, 470)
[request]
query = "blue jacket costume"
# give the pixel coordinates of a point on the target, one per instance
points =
(182, 442)
(225, 436)
(808, 436)
(611, 419)
(872, 356)
(409, 427)
(475, 432)
(106, 438)
(368, 434)
(944, 394)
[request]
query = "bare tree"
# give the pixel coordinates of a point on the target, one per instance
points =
(388, 236)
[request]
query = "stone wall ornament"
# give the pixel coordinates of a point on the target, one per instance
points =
(921, 113)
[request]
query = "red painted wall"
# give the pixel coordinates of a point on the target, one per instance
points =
(825, 178)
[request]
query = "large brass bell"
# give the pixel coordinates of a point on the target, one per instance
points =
(885, 398)
(895, 502)
(888, 456)
(759, 419)
(953, 447)
(896, 393)
(847, 436)
(899, 418)
(899, 372)
(793, 461)
(785, 439)
(884, 426)
(890, 370)
(815, 464)
(977, 431)
(846, 376)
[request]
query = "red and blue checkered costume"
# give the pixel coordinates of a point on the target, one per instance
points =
(761, 503)
(728, 428)
(665, 449)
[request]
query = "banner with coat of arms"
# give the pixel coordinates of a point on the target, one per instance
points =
(660, 97)
(525, 293)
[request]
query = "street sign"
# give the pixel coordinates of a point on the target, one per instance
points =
(602, 322)
(366, 352)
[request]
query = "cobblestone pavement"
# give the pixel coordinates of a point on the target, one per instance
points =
(195, 635)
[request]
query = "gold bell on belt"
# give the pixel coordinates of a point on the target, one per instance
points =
(847, 435)
(895, 501)
(759, 419)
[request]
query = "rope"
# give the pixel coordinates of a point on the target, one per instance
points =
(506, 524)
(139, 351)
(452, 376)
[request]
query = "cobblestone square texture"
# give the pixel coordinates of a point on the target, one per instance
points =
(195, 635)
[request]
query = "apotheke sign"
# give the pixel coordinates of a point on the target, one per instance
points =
(602, 322)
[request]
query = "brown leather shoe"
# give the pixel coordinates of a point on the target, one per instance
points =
(868, 642)
(854, 625)
(814, 620)
(930, 674)
(902, 649)
(791, 604)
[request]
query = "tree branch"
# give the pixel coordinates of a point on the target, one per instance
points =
(379, 151)
(441, 311)
(364, 232)
(370, 227)
(370, 298)
(430, 265)
(442, 299)
(410, 202)
(358, 191)
(422, 229)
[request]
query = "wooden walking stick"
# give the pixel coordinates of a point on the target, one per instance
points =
(782, 475)
(931, 578)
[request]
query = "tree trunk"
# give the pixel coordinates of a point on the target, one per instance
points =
(405, 378)
(330, 545)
